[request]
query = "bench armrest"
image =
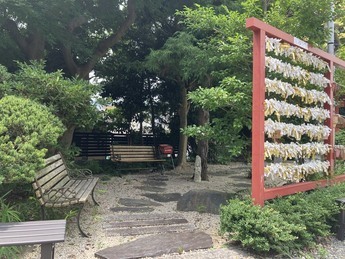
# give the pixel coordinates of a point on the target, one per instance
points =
(116, 157)
(79, 173)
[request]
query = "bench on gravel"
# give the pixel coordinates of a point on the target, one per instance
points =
(58, 186)
(135, 154)
(46, 233)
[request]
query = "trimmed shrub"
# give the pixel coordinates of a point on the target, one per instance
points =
(26, 130)
(285, 224)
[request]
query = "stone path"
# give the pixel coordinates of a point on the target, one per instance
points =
(157, 245)
(169, 233)
(141, 224)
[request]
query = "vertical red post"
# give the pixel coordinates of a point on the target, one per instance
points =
(258, 117)
(329, 122)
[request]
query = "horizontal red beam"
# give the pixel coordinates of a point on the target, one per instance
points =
(256, 24)
(300, 187)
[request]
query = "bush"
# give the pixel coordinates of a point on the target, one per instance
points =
(285, 224)
(26, 130)
(260, 229)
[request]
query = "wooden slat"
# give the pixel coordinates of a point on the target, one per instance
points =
(32, 232)
(135, 154)
(87, 189)
(68, 191)
(48, 168)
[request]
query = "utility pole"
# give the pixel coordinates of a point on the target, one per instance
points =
(330, 26)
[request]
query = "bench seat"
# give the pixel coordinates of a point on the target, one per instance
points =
(58, 186)
(46, 233)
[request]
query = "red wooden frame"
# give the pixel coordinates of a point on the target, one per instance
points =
(261, 30)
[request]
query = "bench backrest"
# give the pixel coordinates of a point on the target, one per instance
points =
(53, 175)
(132, 153)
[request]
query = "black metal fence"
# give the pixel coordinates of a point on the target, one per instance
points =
(96, 146)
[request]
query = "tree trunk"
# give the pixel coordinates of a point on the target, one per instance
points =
(202, 149)
(183, 111)
(152, 109)
(67, 137)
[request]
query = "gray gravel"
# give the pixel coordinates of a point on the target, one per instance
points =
(109, 194)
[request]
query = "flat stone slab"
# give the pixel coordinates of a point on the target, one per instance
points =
(151, 188)
(203, 201)
(163, 197)
(158, 178)
(155, 183)
(132, 209)
(137, 202)
(140, 224)
(149, 230)
(156, 245)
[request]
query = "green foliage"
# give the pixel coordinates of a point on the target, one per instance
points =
(305, 19)
(8, 214)
(261, 229)
(285, 224)
(340, 137)
(69, 99)
(26, 130)
(227, 100)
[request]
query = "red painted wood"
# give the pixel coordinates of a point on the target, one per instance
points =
(259, 193)
(255, 24)
(300, 187)
(258, 117)
(329, 122)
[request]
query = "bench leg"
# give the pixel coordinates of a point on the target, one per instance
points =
(78, 222)
(43, 213)
(47, 251)
(93, 196)
(172, 162)
(341, 228)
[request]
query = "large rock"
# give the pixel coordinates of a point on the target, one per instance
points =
(205, 201)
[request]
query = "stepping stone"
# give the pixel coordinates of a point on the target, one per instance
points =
(149, 230)
(152, 216)
(158, 178)
(137, 202)
(203, 201)
(132, 209)
(163, 197)
(155, 183)
(157, 245)
(140, 224)
(150, 188)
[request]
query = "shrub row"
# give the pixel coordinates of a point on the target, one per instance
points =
(284, 224)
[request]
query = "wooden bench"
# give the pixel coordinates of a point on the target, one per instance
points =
(58, 186)
(135, 154)
(46, 233)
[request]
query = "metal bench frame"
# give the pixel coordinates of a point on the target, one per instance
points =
(58, 186)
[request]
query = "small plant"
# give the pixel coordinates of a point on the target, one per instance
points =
(180, 250)
(201, 208)
(71, 214)
(8, 214)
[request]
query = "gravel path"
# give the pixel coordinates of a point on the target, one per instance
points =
(108, 193)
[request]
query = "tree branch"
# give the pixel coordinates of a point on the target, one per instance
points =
(77, 22)
(104, 45)
(11, 27)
